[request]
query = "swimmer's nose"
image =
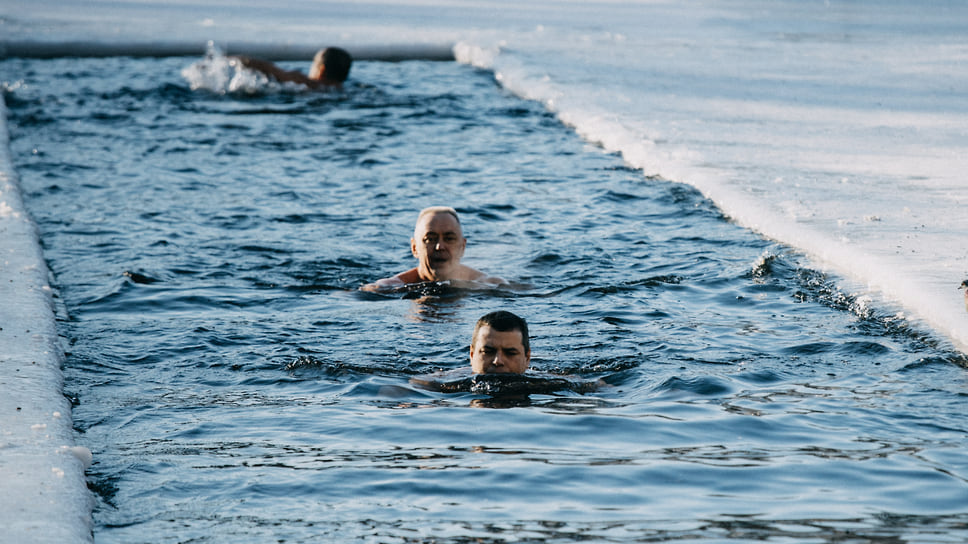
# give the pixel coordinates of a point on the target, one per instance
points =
(496, 363)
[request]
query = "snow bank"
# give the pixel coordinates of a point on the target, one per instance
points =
(44, 492)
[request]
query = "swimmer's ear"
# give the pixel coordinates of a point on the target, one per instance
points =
(413, 247)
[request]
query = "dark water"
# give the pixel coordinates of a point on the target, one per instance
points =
(235, 386)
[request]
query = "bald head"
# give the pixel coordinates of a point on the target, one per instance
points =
(438, 244)
(435, 210)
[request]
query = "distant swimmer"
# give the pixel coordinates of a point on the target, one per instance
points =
(964, 287)
(500, 344)
(438, 243)
(330, 68)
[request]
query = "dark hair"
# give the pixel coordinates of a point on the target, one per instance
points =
(337, 62)
(503, 321)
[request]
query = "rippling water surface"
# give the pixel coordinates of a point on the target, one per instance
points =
(235, 386)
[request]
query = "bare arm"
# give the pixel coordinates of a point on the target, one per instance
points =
(481, 277)
(467, 274)
(273, 71)
(384, 283)
(403, 278)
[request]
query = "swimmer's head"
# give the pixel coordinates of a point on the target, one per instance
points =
(332, 64)
(500, 344)
(438, 243)
(432, 210)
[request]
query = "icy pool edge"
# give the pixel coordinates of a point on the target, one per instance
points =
(45, 495)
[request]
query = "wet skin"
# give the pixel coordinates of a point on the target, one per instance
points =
(438, 244)
(499, 352)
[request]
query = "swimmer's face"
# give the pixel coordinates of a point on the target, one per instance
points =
(438, 244)
(499, 352)
(318, 68)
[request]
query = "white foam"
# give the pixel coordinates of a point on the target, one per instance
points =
(220, 74)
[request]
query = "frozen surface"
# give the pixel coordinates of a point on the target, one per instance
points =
(44, 498)
(835, 127)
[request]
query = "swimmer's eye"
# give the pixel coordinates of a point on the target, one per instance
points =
(448, 239)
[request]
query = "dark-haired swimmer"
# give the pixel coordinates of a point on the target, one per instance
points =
(500, 345)
(500, 354)
(330, 68)
(438, 243)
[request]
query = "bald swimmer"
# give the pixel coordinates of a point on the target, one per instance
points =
(438, 243)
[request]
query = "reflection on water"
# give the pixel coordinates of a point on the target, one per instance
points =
(232, 380)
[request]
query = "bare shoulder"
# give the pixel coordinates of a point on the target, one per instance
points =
(494, 280)
(471, 274)
(401, 279)
(410, 276)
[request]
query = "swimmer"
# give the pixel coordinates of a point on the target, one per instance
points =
(330, 68)
(964, 287)
(438, 244)
(500, 345)
(500, 354)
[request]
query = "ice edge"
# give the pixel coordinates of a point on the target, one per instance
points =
(45, 496)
